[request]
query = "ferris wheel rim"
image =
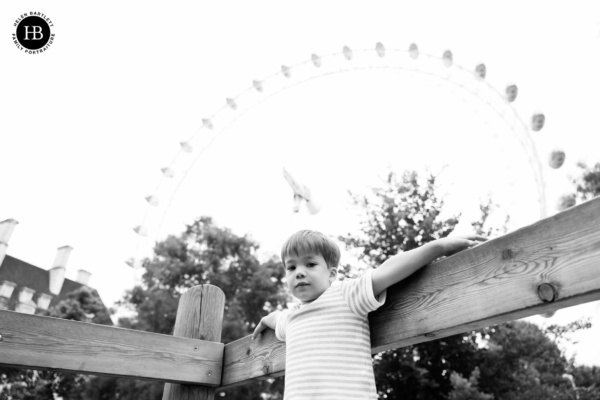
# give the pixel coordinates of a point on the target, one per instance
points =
(318, 61)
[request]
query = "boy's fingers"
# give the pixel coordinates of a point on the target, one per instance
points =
(259, 328)
(477, 240)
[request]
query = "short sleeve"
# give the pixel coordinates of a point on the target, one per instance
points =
(358, 294)
(281, 325)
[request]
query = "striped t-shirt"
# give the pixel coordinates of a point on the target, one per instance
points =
(328, 344)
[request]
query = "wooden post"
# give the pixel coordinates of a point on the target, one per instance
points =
(199, 316)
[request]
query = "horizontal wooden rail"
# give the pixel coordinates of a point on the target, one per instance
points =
(33, 341)
(552, 264)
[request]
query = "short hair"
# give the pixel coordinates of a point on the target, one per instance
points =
(311, 242)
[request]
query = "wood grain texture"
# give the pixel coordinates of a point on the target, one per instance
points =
(199, 316)
(247, 359)
(33, 341)
(494, 282)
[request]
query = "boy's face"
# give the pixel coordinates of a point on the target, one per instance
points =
(307, 276)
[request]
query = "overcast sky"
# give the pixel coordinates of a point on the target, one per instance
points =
(86, 126)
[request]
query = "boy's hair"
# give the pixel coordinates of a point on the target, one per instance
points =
(311, 242)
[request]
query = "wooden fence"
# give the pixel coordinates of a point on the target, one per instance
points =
(552, 264)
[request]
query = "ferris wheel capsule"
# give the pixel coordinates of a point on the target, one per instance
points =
(152, 200)
(347, 52)
(257, 85)
(167, 172)
(140, 230)
(413, 51)
(480, 71)
(231, 103)
(316, 60)
(511, 93)
(447, 58)
(557, 159)
(285, 71)
(380, 49)
(537, 122)
(207, 123)
(566, 201)
(186, 146)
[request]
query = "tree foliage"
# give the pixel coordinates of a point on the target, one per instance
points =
(516, 360)
(83, 304)
(204, 254)
(401, 215)
(521, 362)
(586, 184)
(466, 389)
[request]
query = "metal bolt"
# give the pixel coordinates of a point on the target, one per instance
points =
(547, 292)
(209, 373)
(195, 348)
(1, 338)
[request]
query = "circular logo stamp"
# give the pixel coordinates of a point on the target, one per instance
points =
(33, 33)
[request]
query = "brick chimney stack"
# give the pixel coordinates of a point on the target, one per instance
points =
(6, 229)
(57, 272)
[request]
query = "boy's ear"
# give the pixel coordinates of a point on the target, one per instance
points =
(332, 274)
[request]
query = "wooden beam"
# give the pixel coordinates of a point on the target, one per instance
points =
(36, 342)
(552, 264)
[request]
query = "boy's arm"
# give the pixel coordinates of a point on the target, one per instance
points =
(402, 265)
(270, 321)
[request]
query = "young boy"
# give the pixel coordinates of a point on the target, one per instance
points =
(328, 346)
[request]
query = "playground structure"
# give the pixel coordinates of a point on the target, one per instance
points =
(540, 268)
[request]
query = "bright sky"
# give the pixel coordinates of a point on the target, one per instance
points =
(86, 127)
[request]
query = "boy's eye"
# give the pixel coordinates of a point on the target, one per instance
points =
(291, 267)
(312, 264)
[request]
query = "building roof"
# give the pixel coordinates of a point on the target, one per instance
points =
(24, 274)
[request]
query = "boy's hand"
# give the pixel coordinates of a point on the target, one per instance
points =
(266, 322)
(453, 244)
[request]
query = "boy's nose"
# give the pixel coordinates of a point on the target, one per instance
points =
(300, 274)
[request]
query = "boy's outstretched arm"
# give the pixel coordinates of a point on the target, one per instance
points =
(402, 265)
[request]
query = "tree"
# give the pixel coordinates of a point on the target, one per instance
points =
(466, 389)
(401, 215)
(516, 360)
(519, 361)
(586, 381)
(587, 186)
(83, 304)
(204, 254)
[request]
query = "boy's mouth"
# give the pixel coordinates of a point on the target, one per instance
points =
(302, 284)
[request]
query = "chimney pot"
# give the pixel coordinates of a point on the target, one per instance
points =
(57, 278)
(62, 256)
(57, 272)
(83, 276)
(6, 229)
